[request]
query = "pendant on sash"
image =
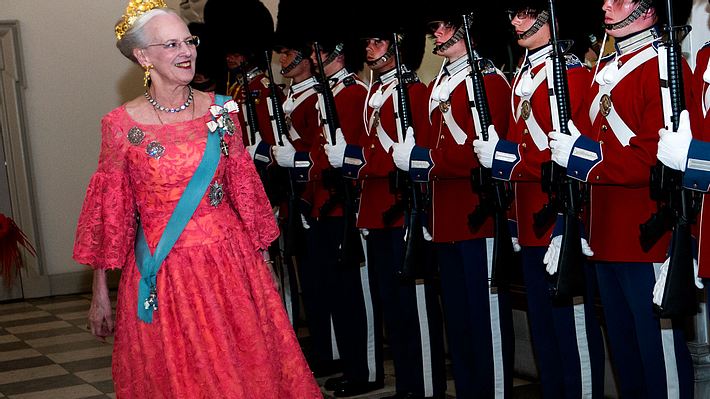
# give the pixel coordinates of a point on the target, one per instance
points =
(229, 124)
(605, 105)
(525, 110)
(444, 106)
(223, 146)
(135, 135)
(155, 150)
(152, 300)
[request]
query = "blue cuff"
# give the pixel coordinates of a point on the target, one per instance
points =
(505, 158)
(558, 230)
(353, 161)
(302, 165)
(586, 154)
(262, 155)
(420, 164)
(697, 170)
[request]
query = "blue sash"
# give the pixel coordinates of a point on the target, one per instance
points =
(148, 265)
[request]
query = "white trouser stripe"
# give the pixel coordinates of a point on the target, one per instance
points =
(287, 292)
(585, 364)
(667, 341)
(369, 315)
(496, 339)
(428, 378)
(333, 341)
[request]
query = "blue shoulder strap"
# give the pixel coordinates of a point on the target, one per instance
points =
(148, 265)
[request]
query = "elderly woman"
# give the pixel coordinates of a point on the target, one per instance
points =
(177, 204)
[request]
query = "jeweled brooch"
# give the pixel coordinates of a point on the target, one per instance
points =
(135, 135)
(216, 194)
(155, 150)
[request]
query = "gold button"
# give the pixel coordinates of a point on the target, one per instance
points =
(605, 128)
(601, 142)
(598, 177)
(526, 131)
(442, 136)
(524, 145)
(372, 146)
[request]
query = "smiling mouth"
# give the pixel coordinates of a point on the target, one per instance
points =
(186, 64)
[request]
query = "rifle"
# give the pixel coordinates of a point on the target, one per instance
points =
(252, 121)
(414, 248)
(350, 251)
(677, 205)
(496, 195)
(294, 235)
(566, 194)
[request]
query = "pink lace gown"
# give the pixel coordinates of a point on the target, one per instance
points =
(220, 330)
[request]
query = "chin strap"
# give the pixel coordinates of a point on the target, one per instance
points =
(297, 60)
(458, 35)
(644, 5)
(541, 20)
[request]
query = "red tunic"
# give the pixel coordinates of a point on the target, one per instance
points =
(529, 197)
(700, 121)
(376, 197)
(620, 196)
(453, 198)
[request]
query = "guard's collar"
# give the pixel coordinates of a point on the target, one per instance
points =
(538, 56)
(456, 66)
(303, 86)
(253, 73)
(388, 76)
(338, 76)
(636, 41)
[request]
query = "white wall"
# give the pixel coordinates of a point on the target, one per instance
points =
(74, 76)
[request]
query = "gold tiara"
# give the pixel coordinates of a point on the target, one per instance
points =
(135, 9)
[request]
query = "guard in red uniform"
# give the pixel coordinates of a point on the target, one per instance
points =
(567, 339)
(615, 156)
(345, 290)
(410, 304)
(478, 319)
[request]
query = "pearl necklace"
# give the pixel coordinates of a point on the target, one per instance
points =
(159, 107)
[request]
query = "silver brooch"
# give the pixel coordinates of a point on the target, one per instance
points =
(155, 150)
(229, 124)
(135, 135)
(216, 194)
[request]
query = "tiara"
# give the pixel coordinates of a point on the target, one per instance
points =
(135, 9)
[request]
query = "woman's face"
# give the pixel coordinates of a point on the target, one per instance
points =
(170, 50)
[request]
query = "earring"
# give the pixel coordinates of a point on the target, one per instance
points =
(146, 74)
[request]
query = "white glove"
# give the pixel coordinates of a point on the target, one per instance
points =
(426, 234)
(252, 148)
(673, 146)
(486, 149)
(364, 233)
(660, 285)
(402, 152)
(561, 144)
(516, 244)
(284, 154)
(552, 256)
(304, 222)
(336, 153)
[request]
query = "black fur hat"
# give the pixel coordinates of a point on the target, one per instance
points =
(245, 27)
(332, 25)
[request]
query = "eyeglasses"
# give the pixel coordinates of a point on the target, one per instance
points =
(172, 45)
(433, 26)
(523, 14)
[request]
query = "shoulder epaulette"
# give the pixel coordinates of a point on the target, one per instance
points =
(707, 44)
(349, 81)
(573, 61)
(410, 77)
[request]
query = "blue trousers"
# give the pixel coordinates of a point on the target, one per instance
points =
(353, 303)
(649, 362)
(569, 350)
(479, 324)
(412, 316)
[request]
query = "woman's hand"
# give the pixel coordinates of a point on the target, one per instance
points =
(100, 312)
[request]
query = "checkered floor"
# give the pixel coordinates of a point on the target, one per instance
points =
(47, 352)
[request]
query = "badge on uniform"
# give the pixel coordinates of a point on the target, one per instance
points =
(444, 106)
(605, 105)
(525, 110)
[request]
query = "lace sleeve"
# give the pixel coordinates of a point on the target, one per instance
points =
(106, 229)
(247, 195)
